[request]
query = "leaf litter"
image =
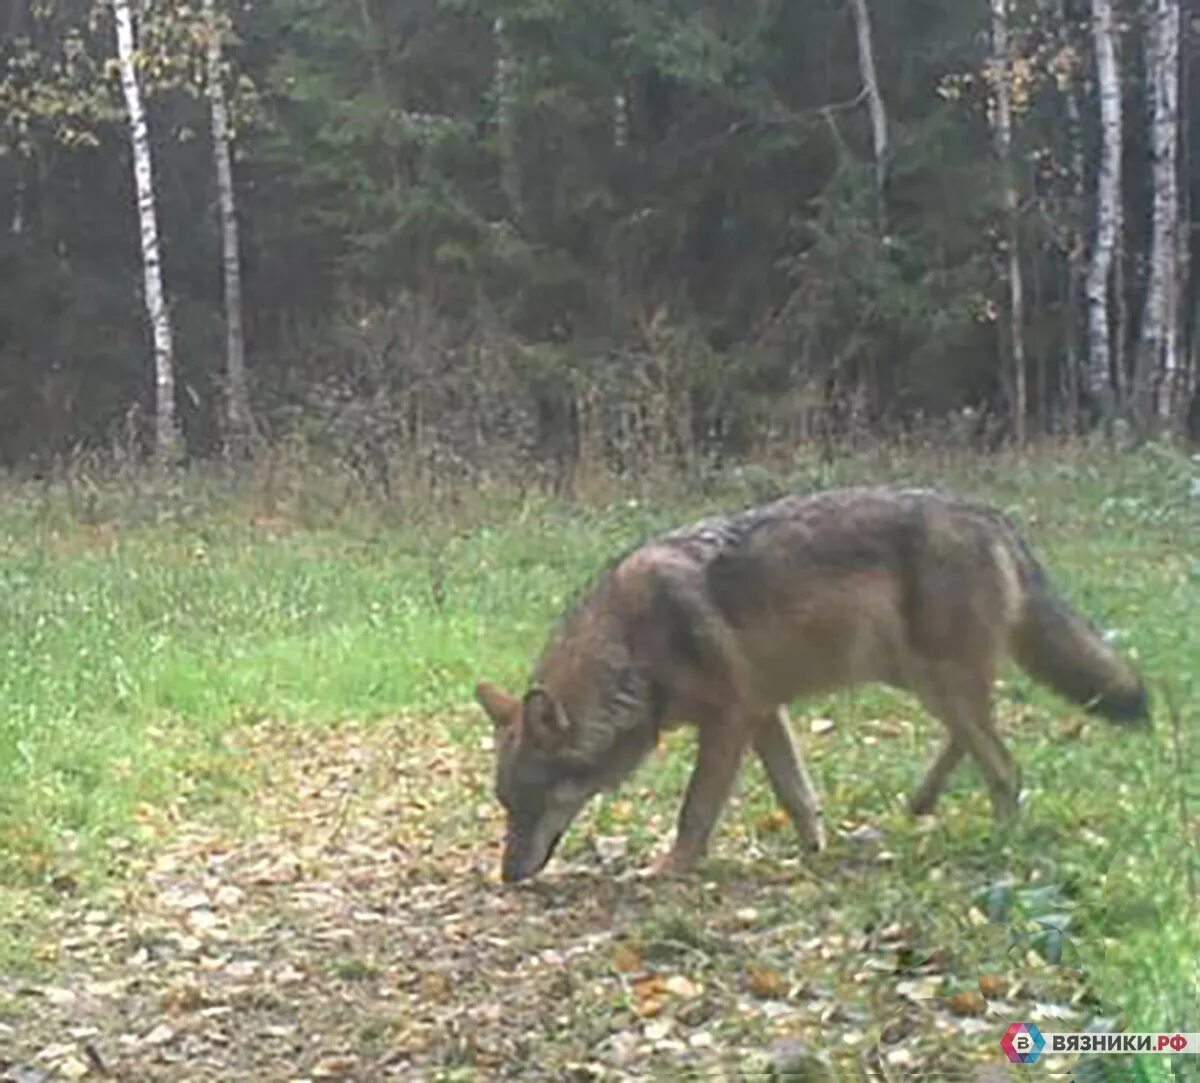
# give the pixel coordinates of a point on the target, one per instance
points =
(354, 929)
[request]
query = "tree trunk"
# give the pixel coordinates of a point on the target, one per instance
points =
(16, 223)
(1120, 332)
(1108, 213)
(167, 440)
(1156, 375)
(1002, 61)
(506, 119)
(620, 127)
(1075, 241)
(1183, 259)
(879, 127)
(238, 423)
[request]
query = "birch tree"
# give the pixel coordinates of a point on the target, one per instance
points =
(1002, 79)
(167, 440)
(506, 117)
(1108, 211)
(878, 115)
(237, 398)
(1157, 383)
(1067, 77)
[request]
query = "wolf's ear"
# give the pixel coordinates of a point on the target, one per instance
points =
(544, 718)
(501, 708)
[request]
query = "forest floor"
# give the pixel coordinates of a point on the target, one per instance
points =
(269, 876)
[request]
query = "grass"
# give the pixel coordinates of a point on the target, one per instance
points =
(144, 622)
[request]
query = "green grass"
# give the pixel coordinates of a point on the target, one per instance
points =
(139, 623)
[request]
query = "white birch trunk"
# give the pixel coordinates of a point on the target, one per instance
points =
(879, 126)
(1108, 211)
(237, 398)
(620, 106)
(1158, 348)
(1002, 61)
(16, 224)
(167, 442)
(506, 118)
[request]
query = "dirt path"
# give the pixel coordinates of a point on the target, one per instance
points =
(355, 931)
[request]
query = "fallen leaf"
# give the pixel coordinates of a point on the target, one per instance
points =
(184, 997)
(229, 896)
(621, 811)
(993, 986)
(651, 986)
(658, 1030)
(160, 1035)
(72, 1068)
(821, 725)
(968, 1002)
(682, 987)
(56, 1051)
(434, 985)
(289, 975)
(775, 820)
(335, 1067)
(60, 998)
(764, 981)
(203, 920)
(649, 1007)
(925, 988)
(626, 959)
(611, 848)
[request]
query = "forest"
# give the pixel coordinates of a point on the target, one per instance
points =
(498, 234)
(344, 342)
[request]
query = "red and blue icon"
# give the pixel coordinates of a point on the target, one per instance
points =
(1023, 1043)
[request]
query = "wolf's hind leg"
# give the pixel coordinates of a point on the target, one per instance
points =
(781, 757)
(963, 703)
(924, 798)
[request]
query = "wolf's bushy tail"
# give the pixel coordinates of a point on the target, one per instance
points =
(1060, 648)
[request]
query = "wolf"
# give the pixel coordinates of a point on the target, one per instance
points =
(723, 623)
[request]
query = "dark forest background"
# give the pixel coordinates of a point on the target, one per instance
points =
(477, 232)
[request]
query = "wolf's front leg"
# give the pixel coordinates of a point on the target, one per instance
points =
(789, 778)
(722, 744)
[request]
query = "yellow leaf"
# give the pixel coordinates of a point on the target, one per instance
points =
(649, 1007)
(434, 985)
(993, 985)
(648, 988)
(968, 1002)
(625, 959)
(764, 981)
(775, 820)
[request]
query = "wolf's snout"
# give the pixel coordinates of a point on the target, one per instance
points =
(518, 864)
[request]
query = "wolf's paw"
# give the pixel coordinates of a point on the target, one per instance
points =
(669, 866)
(922, 802)
(812, 837)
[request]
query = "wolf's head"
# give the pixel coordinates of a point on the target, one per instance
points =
(549, 765)
(541, 788)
